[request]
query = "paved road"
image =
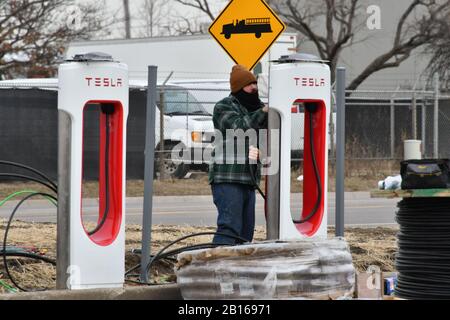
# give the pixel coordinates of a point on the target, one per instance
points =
(199, 210)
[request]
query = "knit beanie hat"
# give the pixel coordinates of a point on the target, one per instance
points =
(240, 77)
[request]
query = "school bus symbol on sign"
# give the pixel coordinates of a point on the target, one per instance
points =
(246, 29)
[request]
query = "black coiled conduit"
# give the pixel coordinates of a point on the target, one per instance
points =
(423, 259)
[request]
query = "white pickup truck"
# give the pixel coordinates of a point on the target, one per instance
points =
(187, 124)
(208, 92)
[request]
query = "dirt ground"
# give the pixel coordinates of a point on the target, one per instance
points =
(369, 246)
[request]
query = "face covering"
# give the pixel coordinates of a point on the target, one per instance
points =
(250, 101)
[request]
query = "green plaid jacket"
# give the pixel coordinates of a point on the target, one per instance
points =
(232, 167)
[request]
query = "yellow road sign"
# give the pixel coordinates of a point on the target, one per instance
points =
(246, 29)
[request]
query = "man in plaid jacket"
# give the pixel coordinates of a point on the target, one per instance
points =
(237, 119)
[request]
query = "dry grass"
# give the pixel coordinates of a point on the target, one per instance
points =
(198, 185)
(372, 247)
(360, 175)
(39, 237)
(188, 187)
(375, 246)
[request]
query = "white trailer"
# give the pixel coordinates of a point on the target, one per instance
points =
(189, 57)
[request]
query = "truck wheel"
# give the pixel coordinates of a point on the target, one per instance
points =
(171, 168)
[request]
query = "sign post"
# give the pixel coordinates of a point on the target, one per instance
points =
(246, 29)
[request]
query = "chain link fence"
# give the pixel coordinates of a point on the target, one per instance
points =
(377, 123)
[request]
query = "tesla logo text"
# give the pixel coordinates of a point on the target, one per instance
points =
(104, 82)
(309, 82)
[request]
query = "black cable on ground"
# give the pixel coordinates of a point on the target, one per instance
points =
(191, 248)
(31, 256)
(22, 166)
(5, 237)
(184, 249)
(169, 254)
(160, 252)
(423, 259)
(196, 235)
(160, 255)
(134, 268)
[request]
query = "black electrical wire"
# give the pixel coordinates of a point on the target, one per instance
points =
(152, 257)
(252, 176)
(423, 258)
(160, 252)
(133, 281)
(22, 166)
(29, 178)
(31, 256)
(316, 173)
(193, 247)
(106, 211)
(185, 249)
(177, 251)
(139, 251)
(159, 255)
(169, 254)
(5, 237)
(134, 268)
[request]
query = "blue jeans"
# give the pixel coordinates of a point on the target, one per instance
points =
(236, 207)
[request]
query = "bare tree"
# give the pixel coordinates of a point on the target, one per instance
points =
(34, 33)
(162, 19)
(188, 26)
(415, 28)
(439, 49)
(154, 13)
(333, 25)
(202, 5)
(338, 17)
(413, 31)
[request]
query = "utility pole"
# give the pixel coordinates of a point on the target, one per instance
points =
(127, 18)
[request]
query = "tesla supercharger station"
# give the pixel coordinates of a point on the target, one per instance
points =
(92, 258)
(298, 84)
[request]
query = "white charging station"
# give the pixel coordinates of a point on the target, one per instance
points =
(296, 82)
(92, 258)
